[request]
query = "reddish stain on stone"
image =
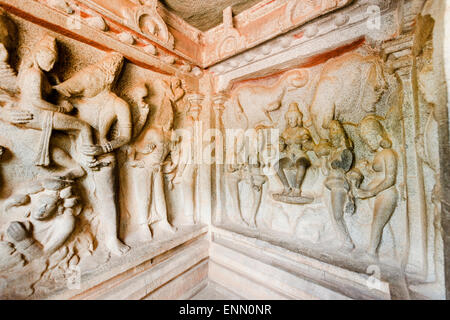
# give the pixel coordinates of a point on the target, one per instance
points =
(313, 61)
(299, 35)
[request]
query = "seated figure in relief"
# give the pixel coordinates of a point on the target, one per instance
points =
(51, 207)
(295, 141)
(22, 99)
(34, 88)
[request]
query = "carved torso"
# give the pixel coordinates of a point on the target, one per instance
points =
(295, 140)
(33, 84)
(382, 159)
(101, 113)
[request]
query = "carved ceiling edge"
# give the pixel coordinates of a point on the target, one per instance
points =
(82, 28)
(220, 36)
(298, 49)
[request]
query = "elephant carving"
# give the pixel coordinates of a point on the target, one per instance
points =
(260, 100)
(351, 84)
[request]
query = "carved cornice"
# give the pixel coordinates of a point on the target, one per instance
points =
(320, 39)
(139, 18)
(266, 20)
(177, 47)
(85, 25)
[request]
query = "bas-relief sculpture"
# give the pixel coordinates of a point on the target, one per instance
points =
(66, 211)
(332, 155)
(341, 155)
(145, 18)
(345, 82)
(269, 97)
(185, 155)
(338, 156)
(245, 170)
(382, 184)
(51, 218)
(295, 141)
(105, 172)
(99, 107)
(148, 160)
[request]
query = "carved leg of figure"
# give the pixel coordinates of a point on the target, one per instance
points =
(257, 195)
(72, 170)
(233, 190)
(65, 122)
(300, 176)
(106, 202)
(384, 207)
(11, 258)
(61, 228)
(160, 203)
(142, 187)
(22, 238)
(284, 163)
(338, 198)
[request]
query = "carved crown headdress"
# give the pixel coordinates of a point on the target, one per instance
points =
(47, 42)
(94, 78)
(293, 109)
(111, 66)
(372, 124)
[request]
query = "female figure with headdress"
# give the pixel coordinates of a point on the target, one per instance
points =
(184, 155)
(339, 161)
(295, 141)
(34, 88)
(382, 186)
(149, 159)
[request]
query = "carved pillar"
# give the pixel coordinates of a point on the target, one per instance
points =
(219, 107)
(401, 59)
(195, 108)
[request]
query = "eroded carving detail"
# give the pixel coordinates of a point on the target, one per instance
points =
(146, 19)
(384, 176)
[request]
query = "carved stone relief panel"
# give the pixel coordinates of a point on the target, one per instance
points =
(338, 184)
(89, 156)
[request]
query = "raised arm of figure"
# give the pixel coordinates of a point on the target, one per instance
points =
(31, 88)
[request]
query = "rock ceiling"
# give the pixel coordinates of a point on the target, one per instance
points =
(206, 14)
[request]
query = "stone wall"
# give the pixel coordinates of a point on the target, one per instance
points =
(343, 92)
(314, 149)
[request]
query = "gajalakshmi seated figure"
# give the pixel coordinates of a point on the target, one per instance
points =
(34, 88)
(295, 141)
(382, 186)
(110, 117)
